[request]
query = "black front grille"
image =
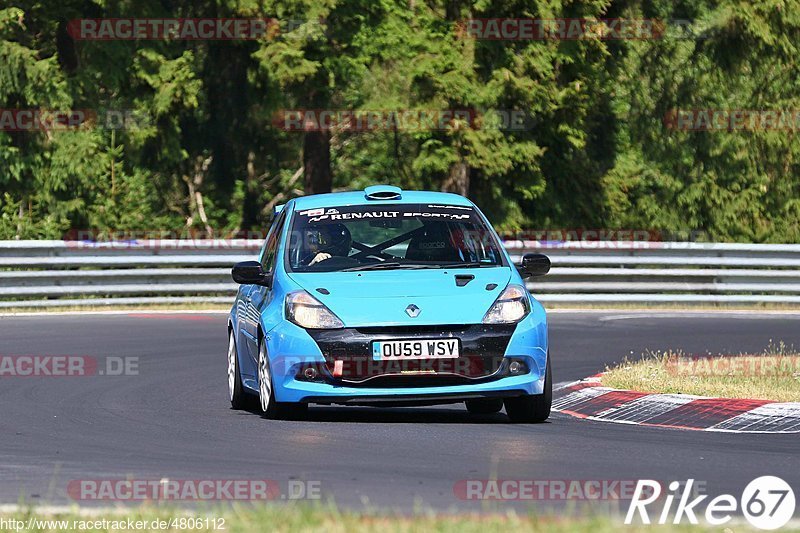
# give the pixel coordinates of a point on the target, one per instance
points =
(482, 348)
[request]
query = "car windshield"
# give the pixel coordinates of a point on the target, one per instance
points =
(390, 237)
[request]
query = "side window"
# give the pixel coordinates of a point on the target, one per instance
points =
(271, 245)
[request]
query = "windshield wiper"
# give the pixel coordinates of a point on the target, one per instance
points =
(464, 264)
(373, 266)
(413, 266)
(467, 264)
(459, 264)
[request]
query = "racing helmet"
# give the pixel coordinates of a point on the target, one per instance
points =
(334, 239)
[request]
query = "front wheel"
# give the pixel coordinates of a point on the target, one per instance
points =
(236, 394)
(271, 408)
(532, 408)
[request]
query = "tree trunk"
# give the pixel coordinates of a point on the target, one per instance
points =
(317, 162)
(458, 179)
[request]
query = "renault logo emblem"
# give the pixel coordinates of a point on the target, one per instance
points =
(413, 311)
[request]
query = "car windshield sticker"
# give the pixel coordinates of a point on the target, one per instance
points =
(406, 211)
(450, 207)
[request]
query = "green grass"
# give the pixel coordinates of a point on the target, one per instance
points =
(773, 374)
(321, 518)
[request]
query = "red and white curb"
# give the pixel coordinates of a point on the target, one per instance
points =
(588, 399)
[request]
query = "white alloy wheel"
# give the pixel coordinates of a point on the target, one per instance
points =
(231, 366)
(264, 378)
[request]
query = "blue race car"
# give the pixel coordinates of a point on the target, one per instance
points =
(387, 297)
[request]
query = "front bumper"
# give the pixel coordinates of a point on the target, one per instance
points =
(305, 392)
(481, 356)
(486, 352)
(406, 399)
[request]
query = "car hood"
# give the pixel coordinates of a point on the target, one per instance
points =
(375, 298)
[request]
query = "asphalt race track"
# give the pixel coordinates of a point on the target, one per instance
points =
(172, 420)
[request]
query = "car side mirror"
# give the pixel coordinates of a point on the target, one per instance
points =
(251, 273)
(534, 265)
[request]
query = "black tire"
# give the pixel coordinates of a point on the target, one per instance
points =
(484, 406)
(272, 408)
(532, 408)
(239, 398)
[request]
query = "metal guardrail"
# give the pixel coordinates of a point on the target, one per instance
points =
(66, 273)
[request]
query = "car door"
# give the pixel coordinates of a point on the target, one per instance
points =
(258, 295)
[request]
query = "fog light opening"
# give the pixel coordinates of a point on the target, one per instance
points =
(310, 373)
(516, 367)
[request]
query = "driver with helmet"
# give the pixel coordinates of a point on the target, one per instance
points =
(325, 241)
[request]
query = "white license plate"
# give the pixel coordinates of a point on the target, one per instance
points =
(415, 349)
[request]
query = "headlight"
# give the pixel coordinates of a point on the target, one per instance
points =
(511, 306)
(308, 312)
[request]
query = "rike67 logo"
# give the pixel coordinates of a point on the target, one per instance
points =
(767, 502)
